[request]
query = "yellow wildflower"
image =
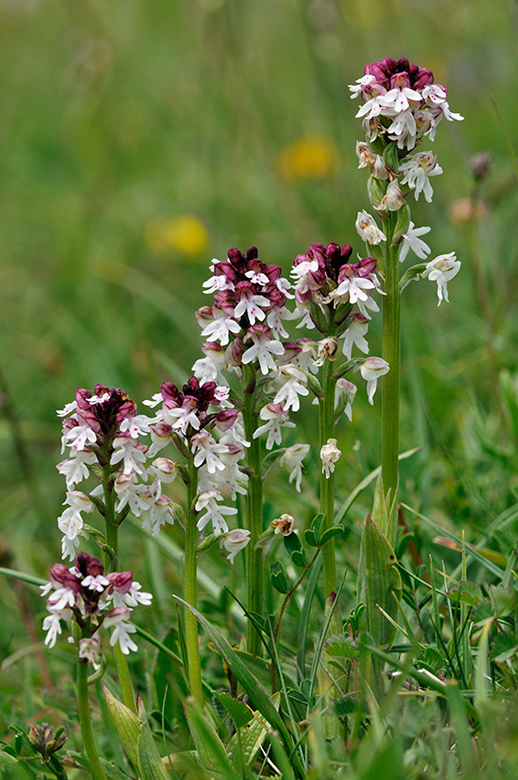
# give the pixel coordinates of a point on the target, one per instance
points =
(310, 157)
(185, 234)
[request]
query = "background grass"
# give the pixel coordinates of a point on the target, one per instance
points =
(118, 117)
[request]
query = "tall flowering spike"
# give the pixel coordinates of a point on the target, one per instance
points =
(400, 105)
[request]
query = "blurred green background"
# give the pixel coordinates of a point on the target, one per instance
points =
(140, 139)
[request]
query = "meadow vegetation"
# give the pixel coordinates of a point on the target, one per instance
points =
(141, 140)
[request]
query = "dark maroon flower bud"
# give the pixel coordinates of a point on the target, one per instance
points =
(191, 387)
(86, 565)
(400, 80)
(227, 270)
(365, 267)
(358, 316)
(377, 70)
(244, 287)
(128, 409)
(212, 348)
(91, 419)
(234, 449)
(69, 423)
(205, 395)
(61, 576)
(82, 397)
(235, 355)
(121, 581)
(238, 260)
(94, 567)
(423, 78)
(171, 394)
(291, 350)
(336, 257)
(226, 419)
(226, 301)
(273, 272)
(162, 430)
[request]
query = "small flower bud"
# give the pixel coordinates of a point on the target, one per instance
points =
(379, 170)
(43, 739)
(480, 165)
(393, 199)
(90, 648)
(371, 369)
(368, 230)
(164, 469)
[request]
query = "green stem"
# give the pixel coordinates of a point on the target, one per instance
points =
(112, 541)
(121, 662)
(327, 430)
(254, 518)
(190, 589)
(391, 352)
(112, 530)
(83, 709)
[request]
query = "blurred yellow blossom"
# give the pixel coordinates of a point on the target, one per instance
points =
(310, 157)
(185, 234)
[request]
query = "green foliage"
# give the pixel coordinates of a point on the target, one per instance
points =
(119, 115)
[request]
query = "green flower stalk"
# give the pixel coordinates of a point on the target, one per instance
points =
(254, 509)
(83, 709)
(190, 587)
(329, 454)
(327, 286)
(390, 388)
(402, 105)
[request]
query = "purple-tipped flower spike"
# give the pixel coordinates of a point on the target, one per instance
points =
(83, 593)
(401, 102)
(328, 285)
